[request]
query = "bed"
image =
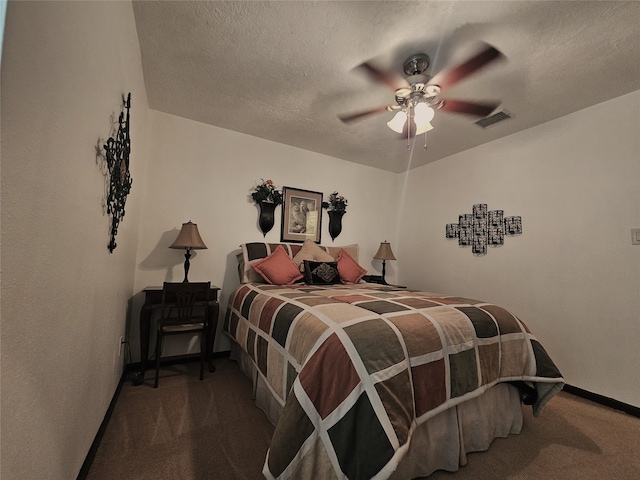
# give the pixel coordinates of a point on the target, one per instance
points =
(372, 381)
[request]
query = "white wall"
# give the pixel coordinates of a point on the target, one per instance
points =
(65, 67)
(205, 174)
(573, 276)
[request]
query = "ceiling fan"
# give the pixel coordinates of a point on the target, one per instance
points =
(418, 96)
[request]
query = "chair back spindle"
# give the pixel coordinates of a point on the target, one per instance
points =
(184, 310)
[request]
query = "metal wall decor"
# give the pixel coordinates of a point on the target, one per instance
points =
(483, 227)
(513, 225)
(117, 155)
(465, 222)
(496, 228)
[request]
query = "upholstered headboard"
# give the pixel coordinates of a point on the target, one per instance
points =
(254, 251)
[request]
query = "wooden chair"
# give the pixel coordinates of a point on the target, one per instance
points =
(184, 310)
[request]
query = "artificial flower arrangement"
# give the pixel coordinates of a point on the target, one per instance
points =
(267, 192)
(336, 203)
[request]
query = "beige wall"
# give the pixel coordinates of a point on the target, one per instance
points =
(573, 276)
(65, 67)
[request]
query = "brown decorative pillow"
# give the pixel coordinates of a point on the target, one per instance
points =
(278, 268)
(321, 273)
(350, 271)
(311, 251)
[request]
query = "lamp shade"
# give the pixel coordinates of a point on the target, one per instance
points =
(424, 128)
(397, 122)
(423, 114)
(189, 238)
(384, 252)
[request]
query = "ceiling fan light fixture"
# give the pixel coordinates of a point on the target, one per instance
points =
(397, 122)
(423, 114)
(431, 91)
(424, 128)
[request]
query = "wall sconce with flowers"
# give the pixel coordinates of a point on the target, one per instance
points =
(267, 197)
(336, 208)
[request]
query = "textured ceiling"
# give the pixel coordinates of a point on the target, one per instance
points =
(284, 70)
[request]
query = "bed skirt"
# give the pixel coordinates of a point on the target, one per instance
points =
(440, 443)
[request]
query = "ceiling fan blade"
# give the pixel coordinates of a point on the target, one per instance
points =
(469, 108)
(392, 81)
(448, 78)
(357, 116)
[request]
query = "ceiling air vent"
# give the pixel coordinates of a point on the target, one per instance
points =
(493, 119)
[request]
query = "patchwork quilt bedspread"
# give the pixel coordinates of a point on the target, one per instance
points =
(357, 367)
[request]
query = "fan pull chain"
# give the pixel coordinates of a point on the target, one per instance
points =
(409, 128)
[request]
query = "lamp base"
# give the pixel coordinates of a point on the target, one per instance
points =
(187, 256)
(384, 266)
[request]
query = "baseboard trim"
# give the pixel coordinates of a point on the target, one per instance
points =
(86, 465)
(602, 400)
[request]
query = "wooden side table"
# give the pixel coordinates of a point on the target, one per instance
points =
(153, 301)
(380, 280)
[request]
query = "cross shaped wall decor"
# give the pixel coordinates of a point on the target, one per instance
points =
(481, 228)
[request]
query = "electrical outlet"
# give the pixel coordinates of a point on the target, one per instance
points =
(122, 342)
(635, 236)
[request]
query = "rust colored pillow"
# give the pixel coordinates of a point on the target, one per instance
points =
(278, 268)
(350, 271)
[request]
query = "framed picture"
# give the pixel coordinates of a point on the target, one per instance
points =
(465, 229)
(480, 210)
(301, 215)
(496, 235)
(453, 230)
(496, 228)
(479, 246)
(513, 225)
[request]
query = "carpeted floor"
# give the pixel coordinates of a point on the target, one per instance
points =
(211, 430)
(185, 429)
(573, 439)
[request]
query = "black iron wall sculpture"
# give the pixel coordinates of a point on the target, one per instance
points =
(117, 156)
(482, 228)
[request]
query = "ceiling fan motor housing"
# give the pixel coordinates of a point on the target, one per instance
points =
(419, 91)
(416, 64)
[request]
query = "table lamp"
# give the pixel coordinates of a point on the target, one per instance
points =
(384, 253)
(189, 239)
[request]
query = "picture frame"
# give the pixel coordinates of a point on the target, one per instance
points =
(496, 228)
(465, 230)
(301, 215)
(513, 225)
(452, 230)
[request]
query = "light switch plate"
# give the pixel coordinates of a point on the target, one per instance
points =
(635, 236)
